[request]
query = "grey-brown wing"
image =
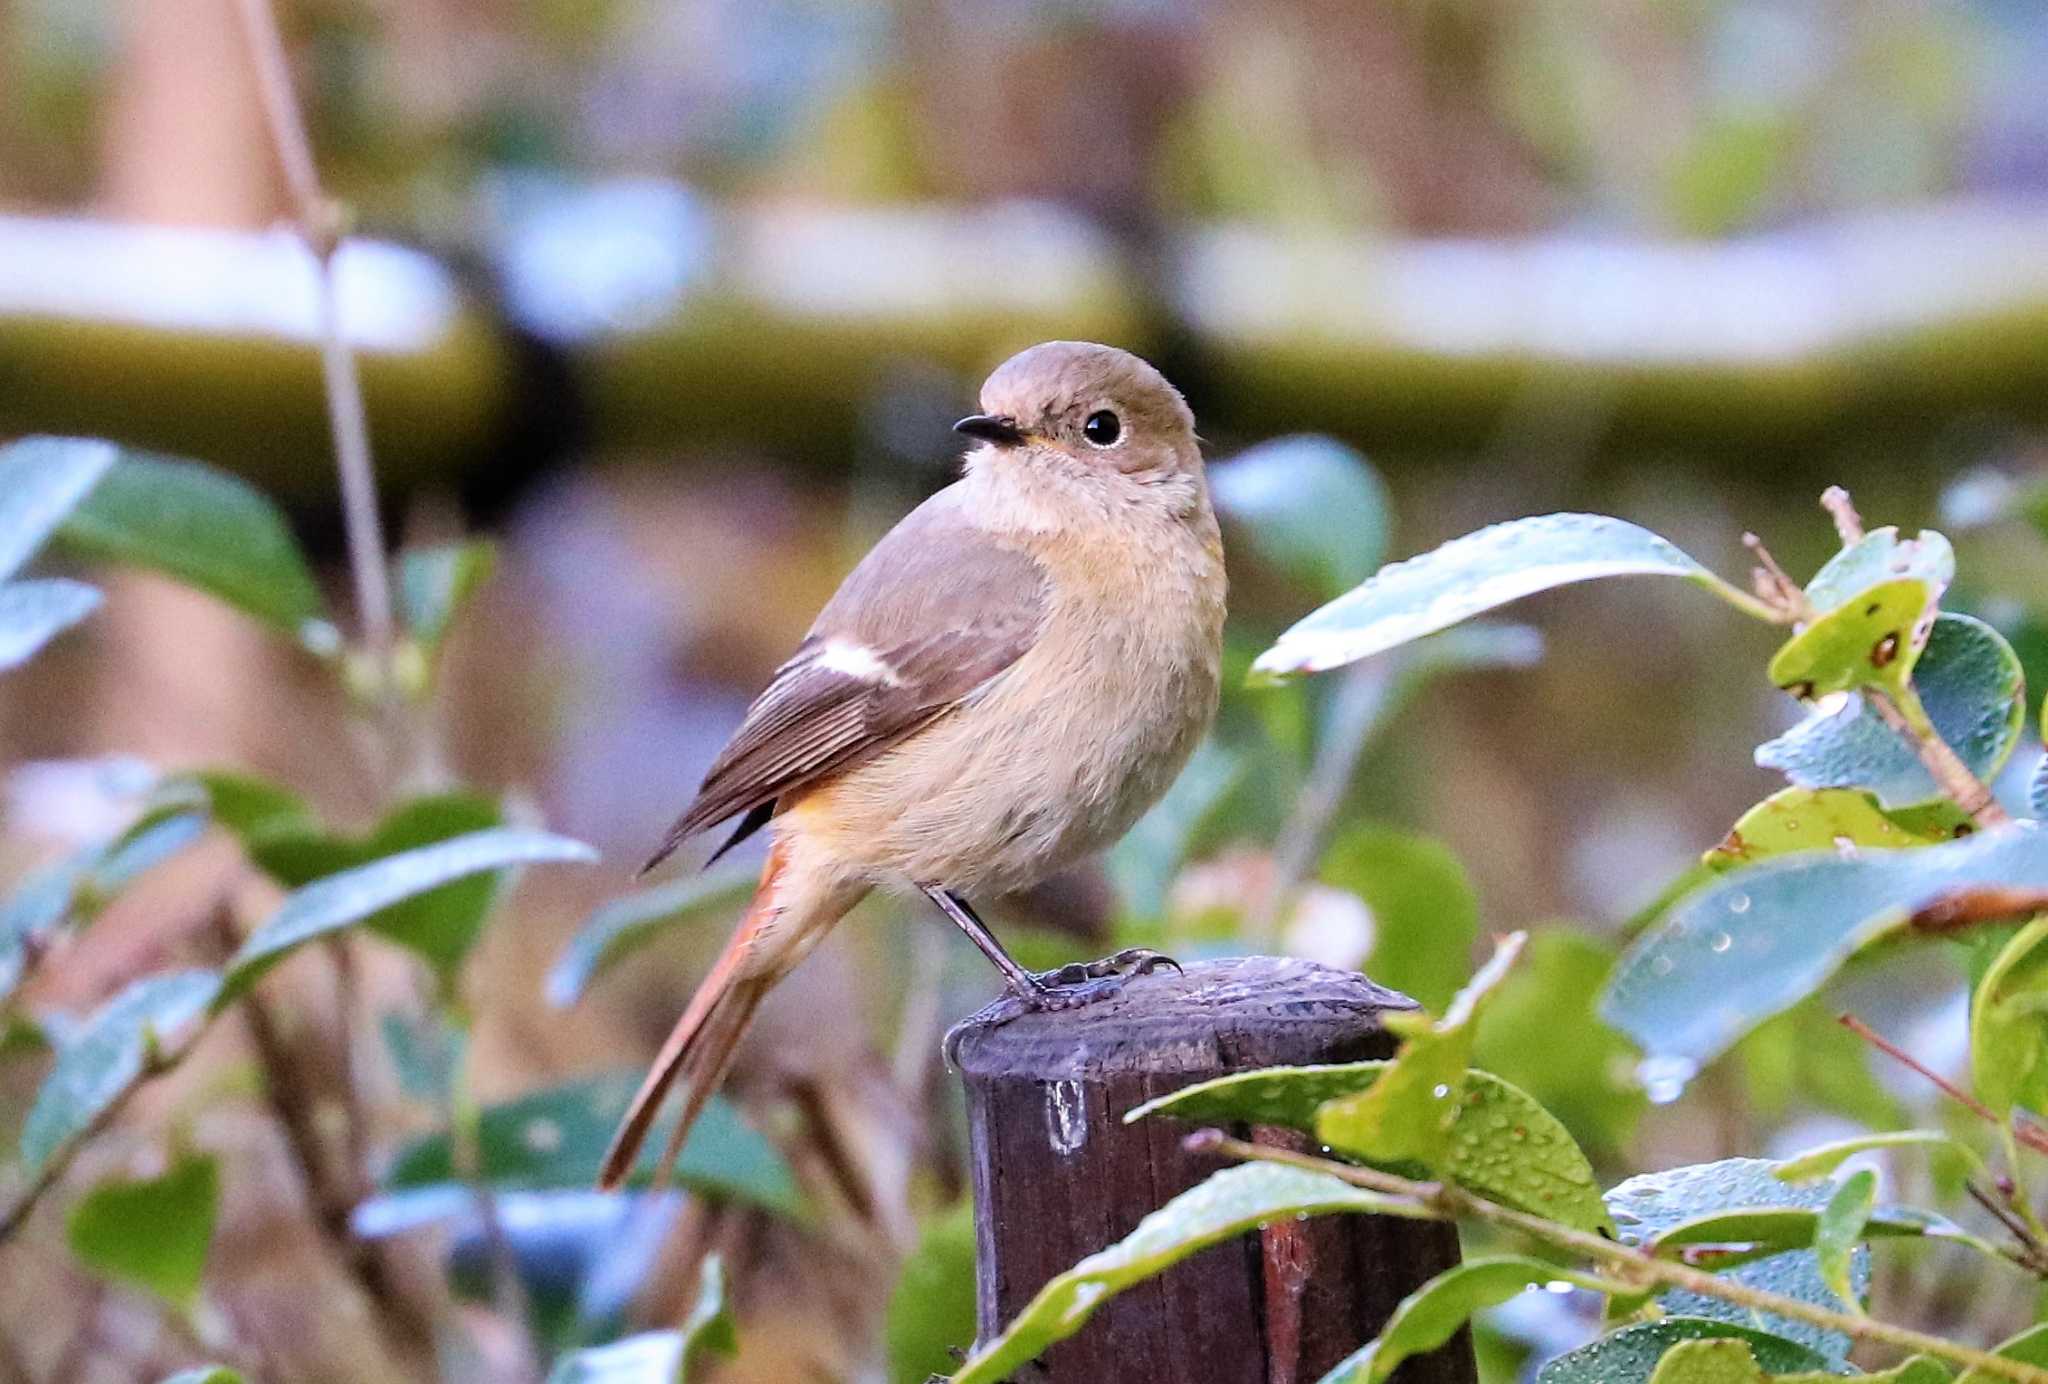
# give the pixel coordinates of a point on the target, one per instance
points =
(934, 611)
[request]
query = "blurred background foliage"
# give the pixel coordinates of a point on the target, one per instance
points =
(674, 301)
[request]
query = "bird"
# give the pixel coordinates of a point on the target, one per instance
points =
(1006, 681)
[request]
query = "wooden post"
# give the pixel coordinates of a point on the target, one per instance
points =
(1058, 1175)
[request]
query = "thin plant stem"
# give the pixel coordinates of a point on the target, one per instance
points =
(1848, 523)
(319, 224)
(1447, 1201)
(1909, 721)
(1355, 709)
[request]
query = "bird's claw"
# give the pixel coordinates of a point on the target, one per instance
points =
(1131, 961)
(1072, 986)
(1080, 983)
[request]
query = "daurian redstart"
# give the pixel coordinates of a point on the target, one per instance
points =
(1001, 687)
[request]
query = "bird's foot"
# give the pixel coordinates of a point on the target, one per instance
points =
(1080, 983)
(1074, 984)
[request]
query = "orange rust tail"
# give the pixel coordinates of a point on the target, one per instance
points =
(701, 1046)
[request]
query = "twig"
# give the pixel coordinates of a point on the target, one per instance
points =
(320, 223)
(328, 1192)
(1912, 1063)
(1774, 586)
(1355, 709)
(2010, 1134)
(1848, 523)
(1908, 720)
(2029, 1254)
(1447, 1201)
(59, 1159)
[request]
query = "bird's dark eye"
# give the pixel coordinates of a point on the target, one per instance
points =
(1102, 428)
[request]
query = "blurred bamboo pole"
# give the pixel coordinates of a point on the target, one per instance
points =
(1741, 354)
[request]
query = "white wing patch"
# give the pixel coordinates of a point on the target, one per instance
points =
(856, 661)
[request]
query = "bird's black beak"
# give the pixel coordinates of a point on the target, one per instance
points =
(1004, 432)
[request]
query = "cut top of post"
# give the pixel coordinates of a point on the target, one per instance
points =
(1215, 1016)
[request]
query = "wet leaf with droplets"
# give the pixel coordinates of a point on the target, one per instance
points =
(1503, 1146)
(1473, 574)
(1652, 1205)
(1763, 938)
(1812, 819)
(1407, 1115)
(1226, 1205)
(1731, 1361)
(1631, 1355)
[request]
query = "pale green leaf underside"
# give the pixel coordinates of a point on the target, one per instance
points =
(32, 613)
(339, 900)
(1473, 574)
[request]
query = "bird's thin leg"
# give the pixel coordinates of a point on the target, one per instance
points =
(1020, 981)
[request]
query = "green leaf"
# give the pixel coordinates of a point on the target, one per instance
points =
(147, 1024)
(209, 530)
(1876, 638)
(1226, 1205)
(254, 809)
(1824, 1159)
(42, 479)
(1432, 1314)
(1408, 1113)
(660, 1357)
(338, 901)
(151, 1233)
(1473, 574)
(1840, 1229)
(1540, 1033)
(709, 1327)
(1763, 938)
(556, 1138)
(626, 924)
(1733, 1361)
(205, 1374)
(1753, 1232)
(427, 1053)
(1811, 819)
(1631, 1355)
(1709, 1362)
(1803, 1060)
(1308, 507)
(435, 584)
(1425, 914)
(441, 925)
(76, 888)
(2009, 1025)
(1144, 862)
(1652, 1205)
(931, 1311)
(1503, 1145)
(32, 613)
(1878, 557)
(2029, 1347)
(1969, 680)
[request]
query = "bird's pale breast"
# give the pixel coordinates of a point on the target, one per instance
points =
(1060, 754)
